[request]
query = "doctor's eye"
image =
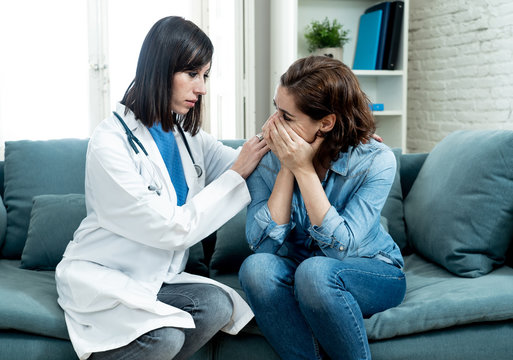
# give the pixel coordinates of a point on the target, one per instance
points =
(192, 74)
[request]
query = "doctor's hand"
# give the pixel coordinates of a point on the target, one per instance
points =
(250, 155)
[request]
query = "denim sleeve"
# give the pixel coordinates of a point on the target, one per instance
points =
(262, 233)
(342, 231)
(266, 235)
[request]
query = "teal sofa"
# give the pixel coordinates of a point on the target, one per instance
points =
(450, 211)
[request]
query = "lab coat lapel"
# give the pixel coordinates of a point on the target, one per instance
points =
(144, 136)
(188, 167)
(146, 139)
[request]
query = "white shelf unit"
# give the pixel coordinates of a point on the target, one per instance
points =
(381, 86)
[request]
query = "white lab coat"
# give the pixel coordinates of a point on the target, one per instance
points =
(133, 240)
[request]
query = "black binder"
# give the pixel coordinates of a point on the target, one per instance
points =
(395, 23)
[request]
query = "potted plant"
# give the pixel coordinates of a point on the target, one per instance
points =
(325, 38)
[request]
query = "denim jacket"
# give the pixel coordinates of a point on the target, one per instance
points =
(357, 186)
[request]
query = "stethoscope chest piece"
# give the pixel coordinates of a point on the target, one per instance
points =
(199, 170)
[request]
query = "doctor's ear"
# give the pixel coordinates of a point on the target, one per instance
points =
(327, 123)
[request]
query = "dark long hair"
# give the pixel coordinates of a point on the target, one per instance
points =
(172, 45)
(322, 86)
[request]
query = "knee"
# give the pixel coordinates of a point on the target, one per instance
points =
(220, 306)
(165, 343)
(313, 279)
(256, 271)
(313, 271)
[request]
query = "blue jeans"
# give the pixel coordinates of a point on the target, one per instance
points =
(317, 307)
(209, 305)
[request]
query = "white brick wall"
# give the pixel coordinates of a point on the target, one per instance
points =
(460, 72)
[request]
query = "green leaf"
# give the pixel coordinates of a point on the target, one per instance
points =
(322, 34)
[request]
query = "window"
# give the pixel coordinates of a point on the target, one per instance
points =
(60, 75)
(43, 70)
(128, 23)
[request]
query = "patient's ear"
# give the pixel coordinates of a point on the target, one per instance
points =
(327, 123)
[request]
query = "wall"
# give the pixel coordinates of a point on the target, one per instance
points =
(263, 98)
(460, 68)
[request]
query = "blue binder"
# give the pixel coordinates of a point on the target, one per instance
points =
(384, 33)
(368, 41)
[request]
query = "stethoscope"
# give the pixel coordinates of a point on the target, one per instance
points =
(134, 142)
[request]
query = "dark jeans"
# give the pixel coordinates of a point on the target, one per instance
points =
(209, 305)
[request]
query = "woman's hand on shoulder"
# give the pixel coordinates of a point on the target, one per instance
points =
(250, 155)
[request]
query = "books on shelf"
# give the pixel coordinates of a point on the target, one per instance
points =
(385, 16)
(393, 35)
(379, 35)
(368, 41)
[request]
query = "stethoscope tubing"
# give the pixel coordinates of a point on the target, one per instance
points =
(133, 140)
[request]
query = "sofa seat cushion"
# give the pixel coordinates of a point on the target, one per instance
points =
(437, 299)
(28, 301)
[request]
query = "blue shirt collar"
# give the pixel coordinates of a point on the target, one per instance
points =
(341, 165)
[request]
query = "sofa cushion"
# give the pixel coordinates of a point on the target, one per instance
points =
(36, 168)
(393, 210)
(459, 211)
(3, 221)
(410, 168)
(53, 220)
(436, 299)
(28, 301)
(231, 247)
(196, 263)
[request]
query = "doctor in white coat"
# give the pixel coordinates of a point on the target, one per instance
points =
(121, 281)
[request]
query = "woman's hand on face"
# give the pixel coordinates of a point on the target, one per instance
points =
(266, 131)
(250, 155)
(291, 149)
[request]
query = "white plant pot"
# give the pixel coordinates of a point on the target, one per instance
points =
(335, 53)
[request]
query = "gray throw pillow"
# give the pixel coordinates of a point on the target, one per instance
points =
(36, 168)
(53, 220)
(459, 211)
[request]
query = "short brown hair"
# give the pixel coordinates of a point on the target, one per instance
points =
(321, 86)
